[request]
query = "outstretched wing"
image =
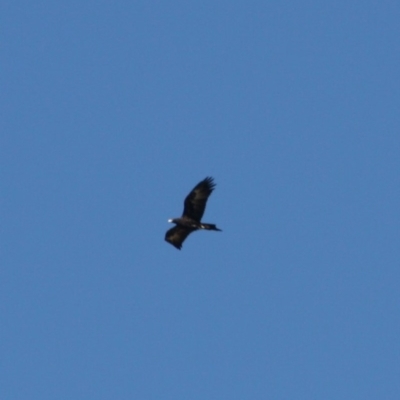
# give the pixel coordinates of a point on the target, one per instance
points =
(177, 235)
(195, 202)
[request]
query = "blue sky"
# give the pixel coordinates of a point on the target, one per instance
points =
(112, 111)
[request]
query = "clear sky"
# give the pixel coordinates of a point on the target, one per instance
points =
(111, 112)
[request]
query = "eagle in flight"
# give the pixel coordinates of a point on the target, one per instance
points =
(190, 221)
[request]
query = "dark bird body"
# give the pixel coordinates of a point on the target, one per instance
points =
(190, 221)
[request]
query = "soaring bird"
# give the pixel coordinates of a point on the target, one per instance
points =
(194, 206)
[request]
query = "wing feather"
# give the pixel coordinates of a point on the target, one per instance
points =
(177, 235)
(196, 200)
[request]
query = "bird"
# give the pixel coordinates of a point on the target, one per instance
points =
(190, 221)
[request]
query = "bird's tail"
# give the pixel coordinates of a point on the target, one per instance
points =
(210, 227)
